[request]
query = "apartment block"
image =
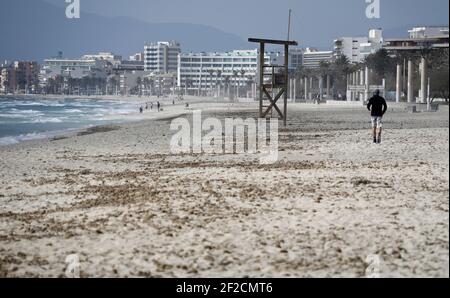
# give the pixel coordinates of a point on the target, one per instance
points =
(161, 57)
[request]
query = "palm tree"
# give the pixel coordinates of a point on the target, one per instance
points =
(139, 85)
(235, 75)
(187, 85)
(71, 83)
(59, 82)
(219, 81)
(50, 86)
(381, 63)
(227, 84)
(250, 81)
(116, 85)
(340, 68)
(145, 83)
(200, 82)
(211, 73)
(242, 72)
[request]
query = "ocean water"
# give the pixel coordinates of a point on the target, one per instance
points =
(23, 119)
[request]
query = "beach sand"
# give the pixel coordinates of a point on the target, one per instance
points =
(118, 198)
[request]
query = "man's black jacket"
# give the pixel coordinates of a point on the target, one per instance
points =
(377, 105)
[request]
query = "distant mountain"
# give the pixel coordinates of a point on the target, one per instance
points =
(35, 30)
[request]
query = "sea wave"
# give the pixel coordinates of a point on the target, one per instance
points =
(25, 116)
(11, 116)
(11, 140)
(15, 111)
(25, 137)
(86, 105)
(46, 120)
(44, 104)
(73, 111)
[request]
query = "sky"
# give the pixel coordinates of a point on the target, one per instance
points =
(268, 18)
(38, 29)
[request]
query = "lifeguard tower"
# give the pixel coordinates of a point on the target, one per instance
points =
(273, 79)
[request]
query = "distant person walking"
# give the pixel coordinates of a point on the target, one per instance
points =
(377, 107)
(159, 106)
(317, 100)
(141, 109)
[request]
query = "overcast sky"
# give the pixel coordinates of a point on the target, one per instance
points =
(268, 18)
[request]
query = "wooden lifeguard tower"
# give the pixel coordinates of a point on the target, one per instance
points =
(273, 79)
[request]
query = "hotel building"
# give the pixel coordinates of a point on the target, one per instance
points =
(312, 58)
(428, 32)
(105, 56)
(356, 49)
(419, 38)
(74, 68)
(19, 76)
(203, 71)
(161, 57)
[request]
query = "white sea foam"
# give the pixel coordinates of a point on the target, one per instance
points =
(73, 111)
(11, 116)
(26, 112)
(46, 120)
(85, 105)
(21, 138)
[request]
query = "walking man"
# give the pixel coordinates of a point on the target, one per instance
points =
(377, 107)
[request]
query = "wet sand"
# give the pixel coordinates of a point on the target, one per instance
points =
(118, 199)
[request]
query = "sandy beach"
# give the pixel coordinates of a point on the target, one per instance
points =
(116, 197)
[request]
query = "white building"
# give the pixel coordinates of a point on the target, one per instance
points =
(161, 57)
(295, 58)
(129, 65)
(200, 72)
(161, 84)
(129, 80)
(428, 32)
(277, 58)
(4, 78)
(374, 44)
(349, 47)
(104, 56)
(312, 58)
(137, 57)
(74, 68)
(356, 49)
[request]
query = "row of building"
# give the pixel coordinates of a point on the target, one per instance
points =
(356, 49)
(19, 75)
(167, 66)
(205, 70)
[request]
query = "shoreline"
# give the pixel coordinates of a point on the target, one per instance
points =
(168, 110)
(173, 111)
(133, 98)
(196, 103)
